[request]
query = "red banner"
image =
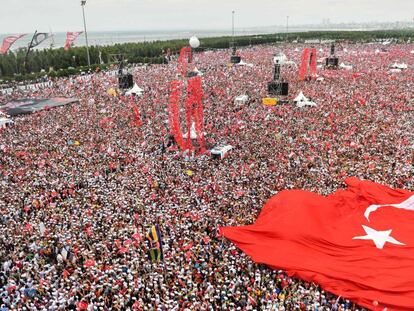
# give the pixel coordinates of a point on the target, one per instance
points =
(195, 105)
(70, 38)
(193, 113)
(185, 58)
(174, 113)
(8, 41)
(308, 62)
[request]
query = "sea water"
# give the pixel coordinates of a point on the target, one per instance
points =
(102, 38)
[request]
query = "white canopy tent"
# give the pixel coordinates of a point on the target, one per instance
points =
(300, 97)
(400, 66)
(305, 104)
(198, 72)
(136, 90)
(302, 101)
(4, 122)
(241, 99)
(346, 67)
(242, 63)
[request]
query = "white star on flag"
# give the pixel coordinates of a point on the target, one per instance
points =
(378, 237)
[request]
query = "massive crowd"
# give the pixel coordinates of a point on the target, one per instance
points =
(82, 184)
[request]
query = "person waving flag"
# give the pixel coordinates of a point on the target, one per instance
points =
(154, 238)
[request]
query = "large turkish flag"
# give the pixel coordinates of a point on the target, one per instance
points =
(357, 243)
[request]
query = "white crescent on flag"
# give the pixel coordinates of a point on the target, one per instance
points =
(407, 205)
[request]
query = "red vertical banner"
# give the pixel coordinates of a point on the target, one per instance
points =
(174, 113)
(137, 116)
(193, 113)
(313, 61)
(189, 105)
(184, 59)
(199, 112)
(304, 64)
(308, 62)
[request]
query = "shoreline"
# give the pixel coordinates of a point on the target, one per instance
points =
(56, 62)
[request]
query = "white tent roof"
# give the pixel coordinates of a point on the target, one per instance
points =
(347, 67)
(399, 66)
(302, 101)
(241, 99)
(305, 103)
(135, 90)
(242, 63)
(5, 121)
(300, 98)
(198, 72)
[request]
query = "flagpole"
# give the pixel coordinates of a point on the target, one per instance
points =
(28, 50)
(83, 2)
(336, 302)
(17, 65)
(53, 38)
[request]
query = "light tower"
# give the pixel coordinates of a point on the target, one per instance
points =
(287, 28)
(83, 3)
(235, 59)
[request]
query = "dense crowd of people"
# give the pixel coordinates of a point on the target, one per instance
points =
(82, 184)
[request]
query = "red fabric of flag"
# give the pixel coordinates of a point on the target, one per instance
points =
(70, 38)
(82, 305)
(357, 243)
(8, 41)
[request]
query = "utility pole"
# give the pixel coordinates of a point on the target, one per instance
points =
(232, 23)
(233, 44)
(83, 3)
(287, 28)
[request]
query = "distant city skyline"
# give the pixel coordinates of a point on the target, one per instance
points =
(124, 15)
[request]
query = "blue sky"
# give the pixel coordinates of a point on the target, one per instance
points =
(62, 15)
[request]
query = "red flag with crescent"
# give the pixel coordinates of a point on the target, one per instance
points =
(8, 41)
(357, 243)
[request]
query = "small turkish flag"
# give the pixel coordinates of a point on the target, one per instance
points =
(89, 263)
(357, 243)
(82, 305)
